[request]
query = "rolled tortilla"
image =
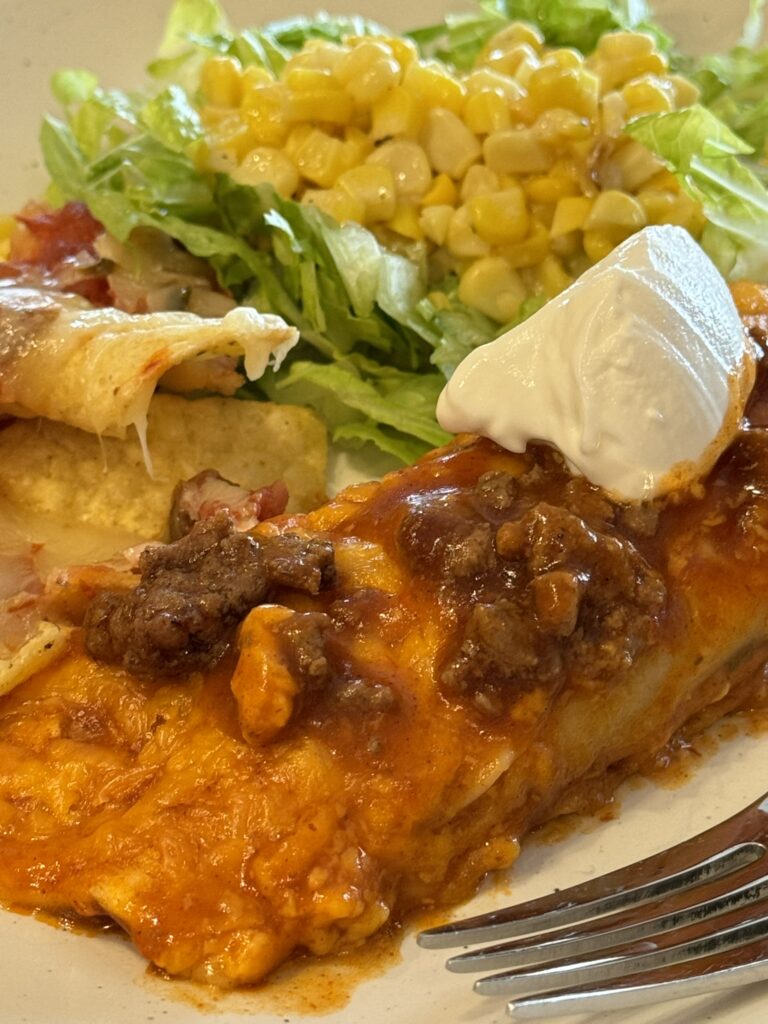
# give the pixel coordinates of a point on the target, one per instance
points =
(97, 368)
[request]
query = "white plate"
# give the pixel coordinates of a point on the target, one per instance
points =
(50, 976)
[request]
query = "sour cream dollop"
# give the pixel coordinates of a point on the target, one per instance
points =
(638, 373)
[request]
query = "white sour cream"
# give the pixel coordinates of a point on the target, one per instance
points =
(638, 373)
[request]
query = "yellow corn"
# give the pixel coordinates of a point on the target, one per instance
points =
(405, 222)
(433, 85)
(318, 54)
(267, 164)
(571, 213)
(409, 166)
(648, 94)
(512, 60)
(263, 109)
(368, 71)
(686, 93)
(374, 187)
(462, 240)
(487, 80)
(7, 227)
(221, 81)
(325, 105)
(549, 188)
(487, 112)
(320, 158)
(396, 113)
(449, 144)
(434, 221)
(517, 167)
(615, 211)
(441, 192)
(631, 165)
(516, 151)
(552, 277)
(478, 181)
(529, 251)
(501, 217)
(337, 203)
(511, 35)
(575, 89)
(613, 114)
(493, 287)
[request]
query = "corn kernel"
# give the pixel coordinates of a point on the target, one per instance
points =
(552, 277)
(516, 151)
(618, 71)
(368, 71)
(266, 164)
(648, 94)
(461, 239)
(316, 53)
(320, 158)
(358, 144)
(549, 188)
(405, 222)
(571, 213)
(613, 114)
(450, 146)
(615, 211)
(657, 203)
(374, 187)
(493, 287)
(403, 50)
(396, 113)
(631, 165)
(564, 57)
(487, 80)
(221, 81)
(330, 105)
(231, 138)
(442, 192)
(409, 166)
(487, 112)
(434, 221)
(337, 203)
(559, 125)
(672, 207)
(574, 89)
(510, 61)
(530, 250)
(686, 93)
(479, 181)
(501, 217)
(510, 35)
(432, 85)
(307, 79)
(264, 110)
(617, 45)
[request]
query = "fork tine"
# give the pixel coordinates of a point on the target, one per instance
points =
(627, 960)
(719, 851)
(607, 932)
(732, 969)
(576, 905)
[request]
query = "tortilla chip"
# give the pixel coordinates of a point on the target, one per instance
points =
(47, 642)
(73, 477)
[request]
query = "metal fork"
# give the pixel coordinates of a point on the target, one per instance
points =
(690, 920)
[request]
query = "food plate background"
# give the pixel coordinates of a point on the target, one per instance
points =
(48, 976)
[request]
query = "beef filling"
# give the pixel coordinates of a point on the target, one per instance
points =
(194, 592)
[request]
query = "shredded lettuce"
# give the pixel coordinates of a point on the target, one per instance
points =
(705, 156)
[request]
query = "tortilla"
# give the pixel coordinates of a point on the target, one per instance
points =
(73, 477)
(97, 369)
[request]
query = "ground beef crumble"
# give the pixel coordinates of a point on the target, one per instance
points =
(194, 592)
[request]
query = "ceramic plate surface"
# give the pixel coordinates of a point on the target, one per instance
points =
(49, 976)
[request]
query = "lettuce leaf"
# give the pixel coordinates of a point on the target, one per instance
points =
(578, 23)
(706, 157)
